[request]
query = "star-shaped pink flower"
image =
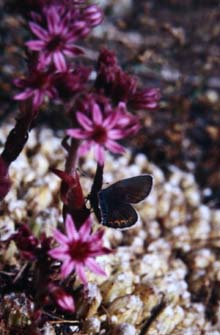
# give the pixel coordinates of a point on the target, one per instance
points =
(56, 40)
(37, 85)
(100, 129)
(77, 249)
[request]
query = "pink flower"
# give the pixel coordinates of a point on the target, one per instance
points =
(120, 86)
(37, 85)
(78, 248)
(147, 98)
(30, 247)
(26, 242)
(107, 67)
(93, 15)
(70, 82)
(101, 129)
(56, 41)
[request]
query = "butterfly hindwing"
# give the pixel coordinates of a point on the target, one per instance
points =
(116, 214)
(112, 204)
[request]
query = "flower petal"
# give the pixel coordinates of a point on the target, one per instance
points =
(84, 148)
(84, 121)
(24, 95)
(77, 133)
(58, 253)
(94, 267)
(97, 114)
(71, 231)
(114, 147)
(97, 236)
(59, 237)
(36, 45)
(59, 61)
(53, 20)
(100, 251)
(111, 120)
(73, 51)
(38, 98)
(81, 273)
(66, 302)
(44, 59)
(85, 230)
(99, 154)
(38, 31)
(116, 134)
(67, 267)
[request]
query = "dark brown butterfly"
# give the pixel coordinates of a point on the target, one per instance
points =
(113, 204)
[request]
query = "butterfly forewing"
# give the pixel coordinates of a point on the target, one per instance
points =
(130, 190)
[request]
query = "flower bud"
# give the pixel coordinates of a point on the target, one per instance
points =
(93, 15)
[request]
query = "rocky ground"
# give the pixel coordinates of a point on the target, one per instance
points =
(163, 277)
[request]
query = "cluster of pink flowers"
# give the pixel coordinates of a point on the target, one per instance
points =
(120, 86)
(56, 30)
(100, 115)
(103, 118)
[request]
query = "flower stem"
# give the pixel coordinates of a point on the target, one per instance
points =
(71, 161)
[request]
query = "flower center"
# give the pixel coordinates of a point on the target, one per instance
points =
(40, 80)
(99, 134)
(79, 250)
(56, 43)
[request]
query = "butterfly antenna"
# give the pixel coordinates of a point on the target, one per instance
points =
(82, 173)
(65, 143)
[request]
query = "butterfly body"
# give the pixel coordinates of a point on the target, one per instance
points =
(115, 201)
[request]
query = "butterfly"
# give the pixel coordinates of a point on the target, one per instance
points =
(112, 205)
